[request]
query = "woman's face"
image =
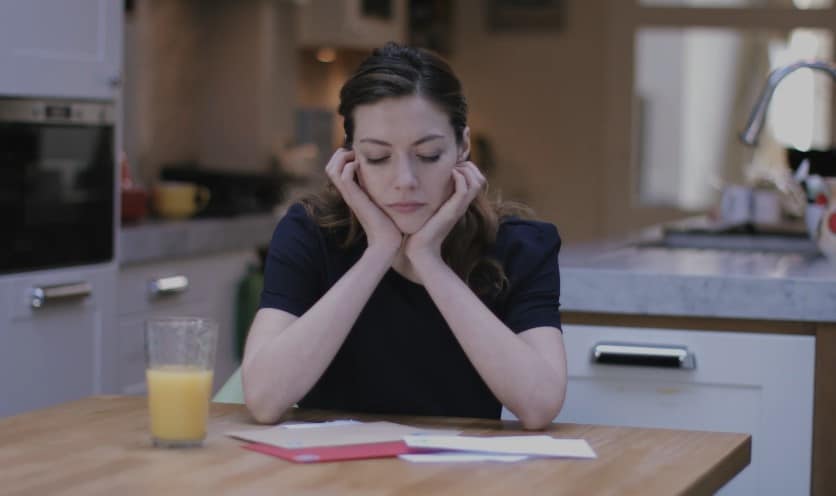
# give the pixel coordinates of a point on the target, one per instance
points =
(407, 150)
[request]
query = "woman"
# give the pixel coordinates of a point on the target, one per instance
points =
(400, 289)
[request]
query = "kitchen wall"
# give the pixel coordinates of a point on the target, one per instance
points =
(218, 82)
(319, 83)
(210, 81)
(539, 97)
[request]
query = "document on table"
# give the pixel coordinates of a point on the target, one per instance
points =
(461, 456)
(341, 433)
(349, 439)
(540, 446)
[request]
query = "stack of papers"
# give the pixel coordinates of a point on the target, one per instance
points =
(349, 440)
(330, 441)
(495, 448)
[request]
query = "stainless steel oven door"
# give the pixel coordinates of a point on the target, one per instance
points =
(56, 183)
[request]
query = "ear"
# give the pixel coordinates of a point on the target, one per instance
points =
(464, 147)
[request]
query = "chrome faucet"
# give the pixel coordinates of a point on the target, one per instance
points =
(750, 134)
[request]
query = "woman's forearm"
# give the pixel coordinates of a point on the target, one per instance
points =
(520, 376)
(285, 366)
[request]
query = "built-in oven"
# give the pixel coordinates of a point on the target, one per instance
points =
(57, 185)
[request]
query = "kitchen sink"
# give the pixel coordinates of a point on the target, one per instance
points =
(740, 237)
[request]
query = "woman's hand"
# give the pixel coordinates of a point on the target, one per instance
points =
(425, 244)
(381, 231)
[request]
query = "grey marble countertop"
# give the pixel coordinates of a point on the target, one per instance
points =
(161, 240)
(630, 277)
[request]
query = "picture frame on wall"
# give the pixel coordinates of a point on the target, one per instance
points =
(525, 15)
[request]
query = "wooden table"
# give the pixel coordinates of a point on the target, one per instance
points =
(100, 446)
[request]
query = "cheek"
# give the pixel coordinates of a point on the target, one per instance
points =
(370, 180)
(449, 187)
(443, 185)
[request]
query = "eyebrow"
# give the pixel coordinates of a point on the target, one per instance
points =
(426, 138)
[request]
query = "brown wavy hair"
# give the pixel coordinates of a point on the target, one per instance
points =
(399, 71)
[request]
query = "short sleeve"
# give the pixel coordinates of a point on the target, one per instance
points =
(530, 251)
(293, 268)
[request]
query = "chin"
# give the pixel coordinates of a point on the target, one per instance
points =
(407, 228)
(410, 226)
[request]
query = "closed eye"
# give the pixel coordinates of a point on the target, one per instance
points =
(422, 158)
(433, 158)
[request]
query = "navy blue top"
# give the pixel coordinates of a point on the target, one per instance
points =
(401, 356)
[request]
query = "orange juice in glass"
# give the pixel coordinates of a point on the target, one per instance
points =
(180, 354)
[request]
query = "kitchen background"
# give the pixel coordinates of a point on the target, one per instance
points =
(617, 120)
(224, 84)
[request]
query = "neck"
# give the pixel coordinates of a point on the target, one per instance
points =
(404, 267)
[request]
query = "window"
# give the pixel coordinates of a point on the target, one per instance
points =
(694, 87)
(693, 70)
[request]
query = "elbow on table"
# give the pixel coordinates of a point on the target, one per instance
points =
(541, 415)
(261, 411)
(262, 415)
(261, 406)
(536, 421)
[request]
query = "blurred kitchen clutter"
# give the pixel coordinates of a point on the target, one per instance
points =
(231, 193)
(134, 198)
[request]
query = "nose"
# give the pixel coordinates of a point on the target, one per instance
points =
(405, 177)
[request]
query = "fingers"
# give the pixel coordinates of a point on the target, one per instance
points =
(341, 170)
(337, 163)
(349, 169)
(468, 181)
(459, 182)
(348, 186)
(474, 178)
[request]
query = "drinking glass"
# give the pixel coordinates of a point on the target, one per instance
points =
(180, 357)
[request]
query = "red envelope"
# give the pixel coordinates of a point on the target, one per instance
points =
(334, 453)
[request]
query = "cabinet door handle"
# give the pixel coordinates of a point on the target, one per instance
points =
(644, 355)
(167, 286)
(43, 295)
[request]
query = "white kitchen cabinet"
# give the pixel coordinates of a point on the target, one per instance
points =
(349, 24)
(60, 48)
(761, 384)
(210, 291)
(56, 352)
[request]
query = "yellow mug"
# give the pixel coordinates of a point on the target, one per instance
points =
(179, 200)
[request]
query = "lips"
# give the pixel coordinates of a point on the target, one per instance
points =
(406, 207)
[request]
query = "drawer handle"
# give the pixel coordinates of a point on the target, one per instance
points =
(168, 286)
(643, 355)
(44, 295)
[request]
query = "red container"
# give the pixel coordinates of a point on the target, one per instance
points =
(134, 198)
(134, 204)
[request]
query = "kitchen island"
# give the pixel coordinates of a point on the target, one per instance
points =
(632, 285)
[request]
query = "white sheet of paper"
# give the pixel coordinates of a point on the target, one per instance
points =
(506, 445)
(308, 425)
(459, 457)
